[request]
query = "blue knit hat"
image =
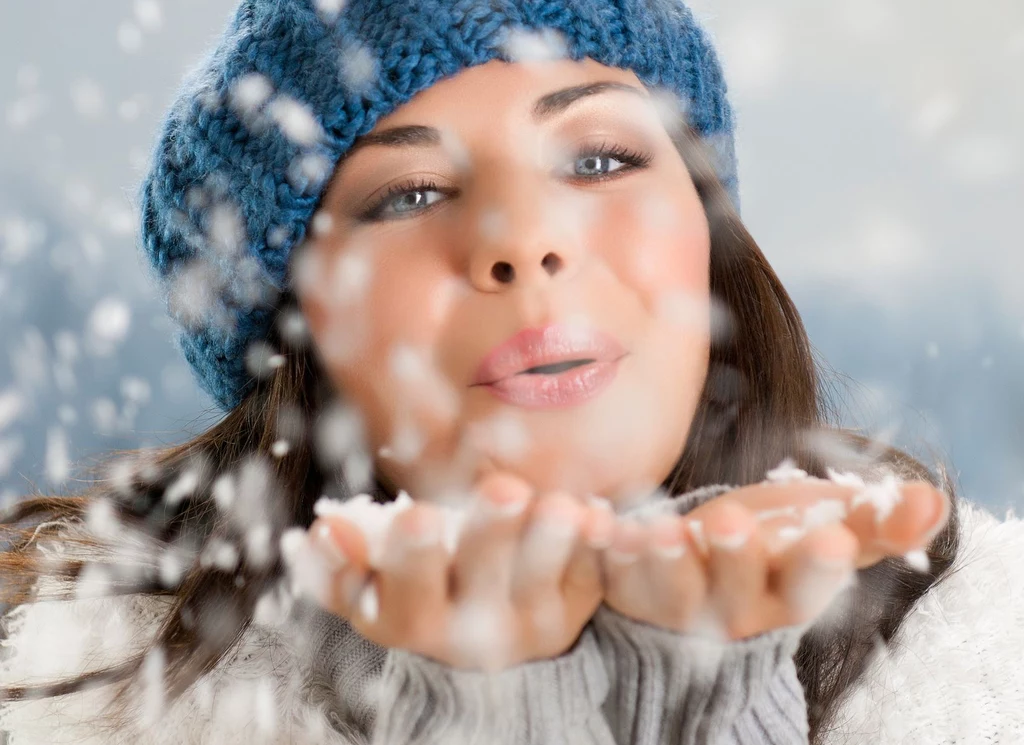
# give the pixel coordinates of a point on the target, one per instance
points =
(249, 145)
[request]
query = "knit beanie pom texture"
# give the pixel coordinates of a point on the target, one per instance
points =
(256, 130)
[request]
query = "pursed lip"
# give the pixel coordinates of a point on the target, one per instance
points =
(546, 345)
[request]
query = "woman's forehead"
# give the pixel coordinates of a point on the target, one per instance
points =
(500, 88)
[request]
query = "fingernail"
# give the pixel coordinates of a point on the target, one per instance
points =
(329, 547)
(618, 556)
(503, 505)
(369, 603)
(696, 528)
(423, 533)
(790, 534)
(602, 529)
(669, 552)
(622, 551)
(554, 527)
(730, 541)
(666, 542)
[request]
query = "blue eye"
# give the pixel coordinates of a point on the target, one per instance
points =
(405, 199)
(599, 163)
(410, 201)
(594, 163)
(414, 197)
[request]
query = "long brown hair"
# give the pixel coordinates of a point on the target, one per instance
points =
(763, 401)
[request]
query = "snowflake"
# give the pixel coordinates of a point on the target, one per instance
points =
(87, 98)
(526, 46)
(220, 554)
(339, 431)
(329, 10)
(824, 512)
(261, 359)
(883, 496)
(94, 581)
(358, 67)
(58, 464)
(786, 472)
(129, 37)
(406, 445)
(19, 238)
(11, 406)
(108, 324)
(480, 631)
(249, 93)
(153, 692)
(136, 390)
(296, 121)
(149, 15)
(918, 560)
(182, 488)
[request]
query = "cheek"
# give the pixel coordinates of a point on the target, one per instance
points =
(378, 340)
(659, 250)
(659, 247)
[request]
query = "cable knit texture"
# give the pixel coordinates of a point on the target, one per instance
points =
(246, 150)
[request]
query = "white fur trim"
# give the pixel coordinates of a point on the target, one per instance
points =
(954, 671)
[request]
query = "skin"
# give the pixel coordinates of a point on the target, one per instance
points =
(431, 287)
(537, 556)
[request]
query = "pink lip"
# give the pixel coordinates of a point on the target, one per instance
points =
(548, 345)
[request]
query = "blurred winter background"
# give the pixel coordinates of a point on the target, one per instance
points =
(882, 167)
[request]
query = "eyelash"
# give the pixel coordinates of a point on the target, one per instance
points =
(633, 160)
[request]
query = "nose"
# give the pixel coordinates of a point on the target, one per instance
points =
(517, 238)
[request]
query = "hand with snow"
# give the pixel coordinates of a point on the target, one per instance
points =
(522, 582)
(764, 556)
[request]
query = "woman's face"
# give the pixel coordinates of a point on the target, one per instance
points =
(546, 198)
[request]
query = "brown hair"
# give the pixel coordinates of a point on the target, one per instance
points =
(763, 401)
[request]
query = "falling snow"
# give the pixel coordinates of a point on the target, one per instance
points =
(83, 227)
(108, 324)
(149, 15)
(883, 496)
(295, 120)
(527, 46)
(786, 472)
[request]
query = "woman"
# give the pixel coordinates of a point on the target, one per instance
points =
(488, 254)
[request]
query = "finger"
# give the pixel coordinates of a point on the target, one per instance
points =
(675, 574)
(583, 571)
(412, 583)
(599, 524)
(627, 587)
(737, 565)
(547, 544)
(556, 580)
(341, 539)
(333, 570)
(808, 576)
(482, 566)
(891, 520)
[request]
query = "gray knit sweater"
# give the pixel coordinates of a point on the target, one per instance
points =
(622, 682)
(310, 679)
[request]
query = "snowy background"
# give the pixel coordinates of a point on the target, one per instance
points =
(881, 154)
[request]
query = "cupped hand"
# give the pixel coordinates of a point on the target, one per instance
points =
(522, 583)
(764, 556)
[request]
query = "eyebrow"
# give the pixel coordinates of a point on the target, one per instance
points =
(418, 135)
